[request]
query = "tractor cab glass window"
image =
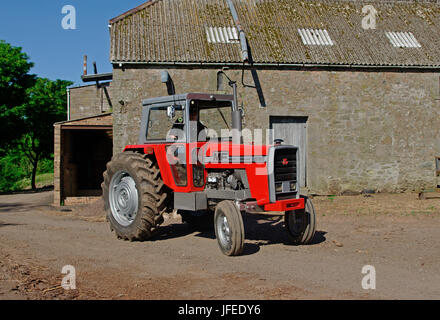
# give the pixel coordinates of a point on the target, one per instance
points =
(166, 123)
(176, 157)
(216, 116)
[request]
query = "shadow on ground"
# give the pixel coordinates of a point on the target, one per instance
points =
(38, 190)
(260, 230)
(20, 207)
(3, 224)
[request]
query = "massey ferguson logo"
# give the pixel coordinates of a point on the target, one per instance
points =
(285, 162)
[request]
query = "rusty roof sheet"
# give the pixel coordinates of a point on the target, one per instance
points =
(174, 31)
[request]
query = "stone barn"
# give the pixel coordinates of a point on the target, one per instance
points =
(362, 103)
(355, 84)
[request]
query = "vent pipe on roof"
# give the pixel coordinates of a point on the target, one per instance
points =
(243, 41)
(85, 66)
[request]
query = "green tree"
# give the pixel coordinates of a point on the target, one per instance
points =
(45, 104)
(14, 81)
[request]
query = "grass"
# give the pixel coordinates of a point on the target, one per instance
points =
(41, 180)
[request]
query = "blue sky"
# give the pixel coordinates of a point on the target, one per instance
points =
(57, 53)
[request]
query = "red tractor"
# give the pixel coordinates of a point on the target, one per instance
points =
(181, 163)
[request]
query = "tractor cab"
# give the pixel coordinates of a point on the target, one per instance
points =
(190, 118)
(184, 125)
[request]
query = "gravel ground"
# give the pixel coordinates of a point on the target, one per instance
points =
(396, 233)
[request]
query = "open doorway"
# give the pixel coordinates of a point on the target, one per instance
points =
(83, 147)
(85, 156)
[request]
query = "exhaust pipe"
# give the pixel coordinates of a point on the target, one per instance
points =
(237, 124)
(85, 66)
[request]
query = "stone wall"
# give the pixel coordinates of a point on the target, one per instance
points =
(366, 130)
(89, 101)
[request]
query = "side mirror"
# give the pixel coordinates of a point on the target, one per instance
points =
(171, 112)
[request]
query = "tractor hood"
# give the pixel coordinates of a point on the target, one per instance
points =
(221, 151)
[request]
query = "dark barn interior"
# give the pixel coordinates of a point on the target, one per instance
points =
(84, 159)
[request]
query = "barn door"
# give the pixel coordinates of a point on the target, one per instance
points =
(293, 130)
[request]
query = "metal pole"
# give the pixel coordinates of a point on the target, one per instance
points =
(85, 66)
(68, 104)
(243, 41)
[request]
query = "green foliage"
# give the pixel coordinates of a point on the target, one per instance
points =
(13, 168)
(45, 105)
(41, 180)
(29, 106)
(45, 166)
(15, 171)
(14, 81)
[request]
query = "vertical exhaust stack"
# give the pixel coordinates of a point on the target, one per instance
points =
(236, 119)
(85, 66)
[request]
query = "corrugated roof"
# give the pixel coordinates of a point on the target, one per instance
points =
(174, 31)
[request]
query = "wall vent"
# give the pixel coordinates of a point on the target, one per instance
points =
(315, 37)
(403, 40)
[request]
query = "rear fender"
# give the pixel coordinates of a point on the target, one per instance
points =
(140, 149)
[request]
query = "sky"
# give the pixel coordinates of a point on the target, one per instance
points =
(36, 26)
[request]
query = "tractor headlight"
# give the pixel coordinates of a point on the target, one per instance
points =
(278, 187)
(293, 186)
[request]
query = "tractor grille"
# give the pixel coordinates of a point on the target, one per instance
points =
(285, 173)
(285, 165)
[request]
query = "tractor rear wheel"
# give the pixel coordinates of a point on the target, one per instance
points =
(301, 224)
(229, 228)
(135, 196)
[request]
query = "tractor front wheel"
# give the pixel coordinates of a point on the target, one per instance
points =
(301, 224)
(229, 228)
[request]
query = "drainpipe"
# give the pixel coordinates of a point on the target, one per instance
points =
(243, 42)
(68, 104)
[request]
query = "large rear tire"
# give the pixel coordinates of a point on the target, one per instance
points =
(229, 228)
(135, 196)
(301, 224)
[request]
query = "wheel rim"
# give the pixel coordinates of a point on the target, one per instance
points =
(223, 231)
(124, 198)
